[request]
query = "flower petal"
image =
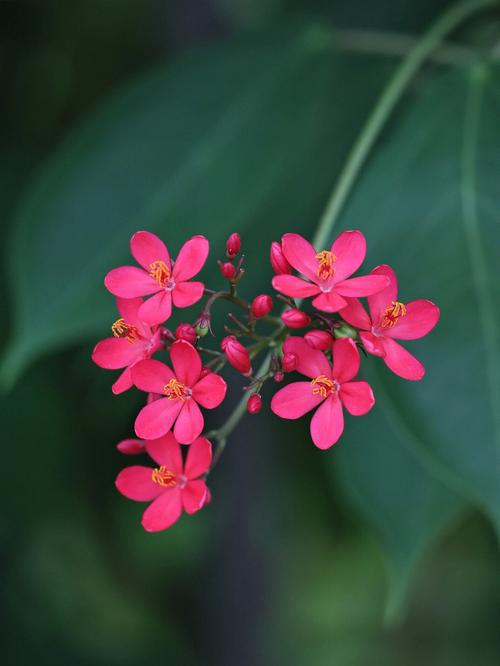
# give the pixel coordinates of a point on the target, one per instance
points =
(356, 315)
(194, 496)
(115, 353)
(164, 511)
(156, 419)
(199, 458)
(301, 255)
(189, 423)
(147, 248)
(129, 282)
(157, 309)
(210, 391)
(421, 317)
(186, 362)
(295, 400)
(357, 397)
(294, 286)
(310, 362)
(166, 451)
(123, 383)
(151, 375)
(329, 302)
(378, 302)
(187, 293)
(350, 251)
(190, 259)
(401, 362)
(129, 310)
(374, 344)
(362, 286)
(137, 484)
(327, 424)
(345, 359)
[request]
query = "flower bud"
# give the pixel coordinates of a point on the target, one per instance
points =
(202, 326)
(227, 269)
(186, 332)
(236, 354)
(131, 447)
(261, 306)
(233, 245)
(278, 261)
(345, 331)
(278, 377)
(319, 339)
(254, 404)
(289, 362)
(294, 318)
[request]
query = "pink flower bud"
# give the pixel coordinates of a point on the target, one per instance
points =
(131, 447)
(278, 377)
(294, 318)
(254, 404)
(236, 354)
(186, 332)
(233, 245)
(261, 306)
(319, 339)
(278, 261)
(227, 269)
(289, 362)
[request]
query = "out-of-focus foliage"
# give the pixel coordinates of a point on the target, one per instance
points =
(246, 132)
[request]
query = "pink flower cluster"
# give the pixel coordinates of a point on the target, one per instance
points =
(326, 358)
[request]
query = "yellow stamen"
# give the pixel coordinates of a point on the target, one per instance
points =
(392, 314)
(326, 266)
(159, 272)
(121, 329)
(175, 390)
(164, 477)
(323, 386)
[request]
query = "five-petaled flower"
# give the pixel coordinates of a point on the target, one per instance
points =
(327, 271)
(171, 486)
(159, 276)
(390, 320)
(182, 389)
(328, 389)
(133, 341)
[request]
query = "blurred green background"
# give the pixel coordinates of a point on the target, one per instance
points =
(211, 116)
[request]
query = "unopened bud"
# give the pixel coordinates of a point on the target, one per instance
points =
(278, 377)
(289, 362)
(261, 306)
(345, 331)
(131, 447)
(227, 269)
(233, 245)
(254, 404)
(294, 318)
(236, 354)
(202, 326)
(186, 332)
(319, 339)
(278, 260)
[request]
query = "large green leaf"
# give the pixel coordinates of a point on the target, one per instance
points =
(246, 136)
(429, 203)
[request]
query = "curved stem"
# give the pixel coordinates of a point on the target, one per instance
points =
(370, 132)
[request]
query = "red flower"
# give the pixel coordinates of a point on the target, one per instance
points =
(390, 320)
(233, 245)
(172, 486)
(294, 318)
(157, 276)
(329, 390)
(327, 271)
(183, 388)
(186, 332)
(278, 262)
(236, 354)
(261, 306)
(133, 341)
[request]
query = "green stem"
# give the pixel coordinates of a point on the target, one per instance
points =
(388, 100)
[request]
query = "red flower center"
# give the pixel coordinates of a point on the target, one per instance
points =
(392, 313)
(175, 390)
(326, 268)
(164, 477)
(160, 273)
(323, 386)
(121, 329)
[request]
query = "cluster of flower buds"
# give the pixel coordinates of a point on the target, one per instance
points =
(326, 354)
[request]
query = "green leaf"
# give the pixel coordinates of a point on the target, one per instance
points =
(429, 204)
(242, 136)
